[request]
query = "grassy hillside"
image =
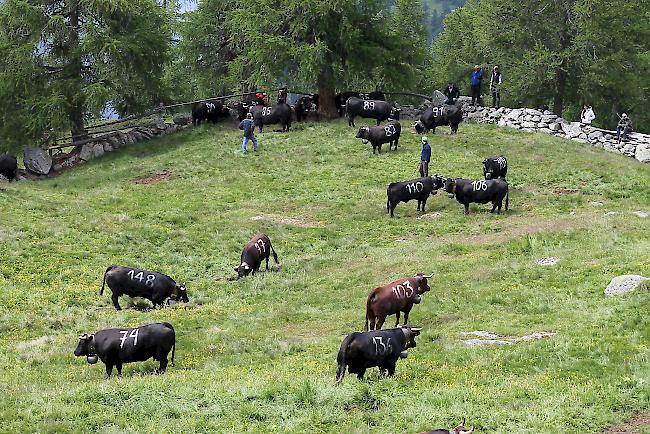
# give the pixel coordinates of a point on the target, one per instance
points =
(259, 355)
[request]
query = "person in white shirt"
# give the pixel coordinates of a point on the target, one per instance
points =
(587, 114)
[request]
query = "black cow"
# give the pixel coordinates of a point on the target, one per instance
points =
(459, 429)
(495, 167)
(377, 136)
(341, 98)
(419, 189)
(211, 111)
(303, 107)
(468, 191)
(257, 249)
(277, 114)
(117, 346)
(440, 115)
(362, 350)
(375, 109)
(241, 108)
(142, 283)
(9, 167)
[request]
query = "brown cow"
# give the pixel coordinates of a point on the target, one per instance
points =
(398, 296)
(259, 248)
(460, 429)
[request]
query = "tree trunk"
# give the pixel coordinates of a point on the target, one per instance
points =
(560, 89)
(73, 74)
(327, 107)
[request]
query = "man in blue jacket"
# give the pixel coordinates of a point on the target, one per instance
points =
(248, 125)
(425, 157)
(475, 83)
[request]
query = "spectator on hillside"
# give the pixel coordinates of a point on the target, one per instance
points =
(587, 115)
(475, 82)
(248, 125)
(624, 125)
(452, 93)
(495, 86)
(425, 157)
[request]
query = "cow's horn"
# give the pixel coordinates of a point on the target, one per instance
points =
(83, 336)
(467, 432)
(429, 276)
(416, 329)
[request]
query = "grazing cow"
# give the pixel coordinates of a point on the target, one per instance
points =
(277, 114)
(117, 346)
(419, 189)
(211, 111)
(142, 283)
(495, 167)
(377, 136)
(382, 348)
(375, 109)
(398, 296)
(9, 167)
(303, 107)
(483, 191)
(460, 429)
(259, 248)
(441, 115)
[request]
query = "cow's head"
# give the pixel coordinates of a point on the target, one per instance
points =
(410, 333)
(419, 127)
(243, 270)
(488, 169)
(460, 429)
(450, 187)
(438, 182)
(180, 293)
(423, 285)
(86, 347)
(394, 113)
(363, 134)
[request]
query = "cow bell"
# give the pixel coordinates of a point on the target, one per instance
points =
(91, 359)
(364, 141)
(450, 195)
(417, 299)
(404, 354)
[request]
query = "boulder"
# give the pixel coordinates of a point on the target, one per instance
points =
(86, 153)
(528, 124)
(595, 135)
(549, 118)
(555, 126)
(98, 150)
(533, 112)
(536, 119)
(107, 146)
(182, 119)
(545, 131)
(37, 161)
(572, 130)
(623, 284)
(642, 153)
(4, 178)
(629, 149)
(641, 214)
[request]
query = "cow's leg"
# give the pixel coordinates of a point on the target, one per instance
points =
(494, 206)
(378, 122)
(109, 370)
(115, 297)
(163, 364)
(157, 300)
(119, 369)
(379, 322)
(424, 203)
(379, 146)
(466, 208)
(392, 209)
(374, 149)
(361, 373)
(406, 315)
(267, 262)
(391, 369)
(418, 205)
(397, 318)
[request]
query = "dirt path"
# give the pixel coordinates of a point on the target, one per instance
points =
(632, 426)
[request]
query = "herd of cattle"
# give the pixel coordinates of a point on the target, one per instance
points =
(359, 351)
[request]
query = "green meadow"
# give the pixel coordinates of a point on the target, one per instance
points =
(259, 354)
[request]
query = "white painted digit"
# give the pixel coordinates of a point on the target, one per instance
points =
(139, 276)
(415, 187)
(390, 130)
(419, 187)
(210, 106)
(123, 338)
(368, 105)
(261, 246)
(385, 347)
(130, 273)
(501, 162)
(150, 279)
(134, 335)
(266, 111)
(408, 293)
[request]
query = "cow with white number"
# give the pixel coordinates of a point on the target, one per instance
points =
(259, 248)
(377, 136)
(277, 114)
(419, 189)
(382, 348)
(341, 98)
(134, 282)
(375, 109)
(398, 296)
(495, 167)
(211, 111)
(467, 191)
(115, 347)
(439, 115)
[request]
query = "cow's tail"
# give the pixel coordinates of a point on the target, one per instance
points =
(507, 193)
(340, 372)
(371, 298)
(171, 327)
(101, 291)
(275, 256)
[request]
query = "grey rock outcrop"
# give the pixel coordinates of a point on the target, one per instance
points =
(37, 161)
(623, 284)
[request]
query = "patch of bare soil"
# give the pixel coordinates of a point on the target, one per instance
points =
(632, 426)
(154, 178)
(293, 221)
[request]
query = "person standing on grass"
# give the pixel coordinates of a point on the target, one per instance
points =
(495, 86)
(475, 81)
(248, 125)
(425, 157)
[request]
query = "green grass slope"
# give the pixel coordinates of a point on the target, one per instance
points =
(259, 355)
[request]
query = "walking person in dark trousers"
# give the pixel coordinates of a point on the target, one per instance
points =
(475, 82)
(495, 86)
(425, 157)
(248, 125)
